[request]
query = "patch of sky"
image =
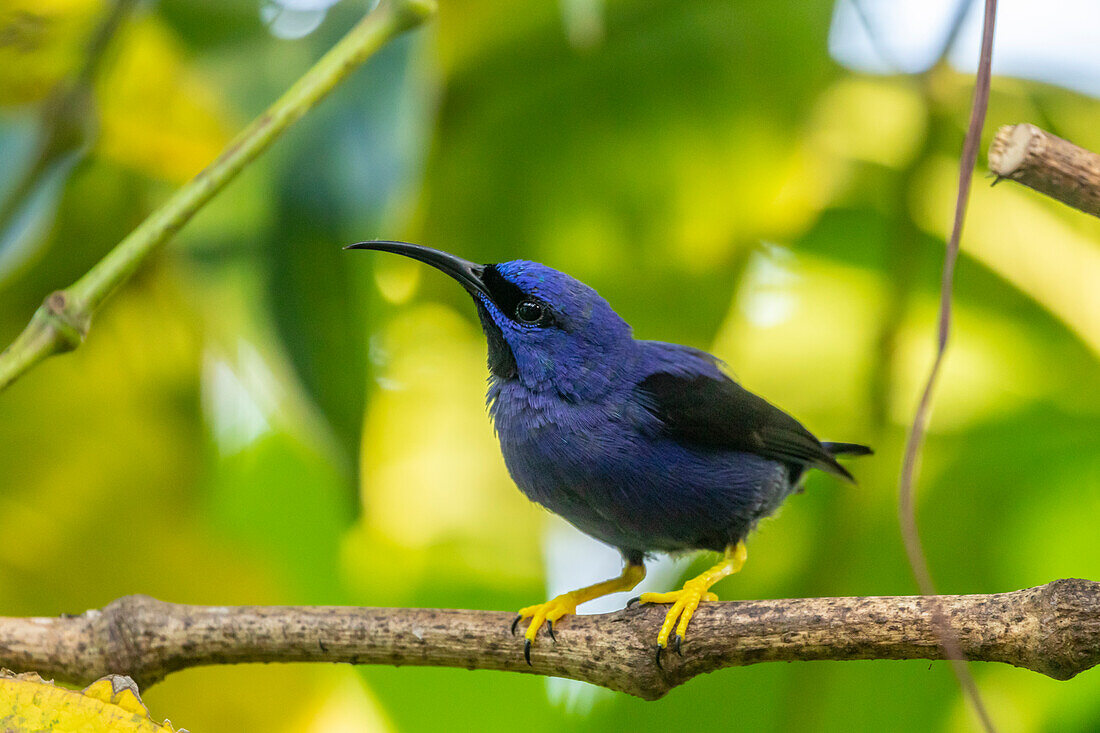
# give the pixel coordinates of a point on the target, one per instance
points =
(1055, 41)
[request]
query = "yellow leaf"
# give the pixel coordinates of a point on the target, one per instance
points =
(27, 702)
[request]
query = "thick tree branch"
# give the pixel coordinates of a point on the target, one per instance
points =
(62, 321)
(1053, 629)
(1048, 164)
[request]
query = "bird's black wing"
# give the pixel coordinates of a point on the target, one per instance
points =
(720, 414)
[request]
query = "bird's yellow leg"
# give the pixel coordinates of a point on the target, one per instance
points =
(567, 603)
(685, 601)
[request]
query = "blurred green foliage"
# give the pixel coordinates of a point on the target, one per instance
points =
(262, 418)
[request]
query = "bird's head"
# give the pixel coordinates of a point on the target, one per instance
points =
(545, 328)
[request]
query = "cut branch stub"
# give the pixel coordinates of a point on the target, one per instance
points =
(1048, 164)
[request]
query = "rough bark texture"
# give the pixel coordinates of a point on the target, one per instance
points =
(1048, 164)
(1053, 629)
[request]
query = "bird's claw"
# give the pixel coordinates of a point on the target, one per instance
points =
(674, 629)
(543, 613)
(632, 601)
(677, 641)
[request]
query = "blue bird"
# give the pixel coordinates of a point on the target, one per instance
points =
(646, 446)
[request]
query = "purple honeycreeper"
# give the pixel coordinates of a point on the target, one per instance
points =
(647, 446)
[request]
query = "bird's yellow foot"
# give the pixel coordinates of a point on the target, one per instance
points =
(685, 601)
(567, 603)
(540, 613)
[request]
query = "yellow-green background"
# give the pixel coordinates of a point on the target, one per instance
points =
(261, 418)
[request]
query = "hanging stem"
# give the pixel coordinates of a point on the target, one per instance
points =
(906, 507)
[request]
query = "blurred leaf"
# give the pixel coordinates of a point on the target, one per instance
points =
(207, 25)
(286, 503)
(158, 115)
(28, 220)
(42, 42)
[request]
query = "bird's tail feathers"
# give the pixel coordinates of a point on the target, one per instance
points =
(843, 449)
(847, 449)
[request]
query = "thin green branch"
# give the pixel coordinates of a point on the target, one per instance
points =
(62, 322)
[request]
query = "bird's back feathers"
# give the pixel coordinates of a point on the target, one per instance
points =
(717, 413)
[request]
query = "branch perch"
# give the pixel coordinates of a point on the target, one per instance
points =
(1052, 629)
(62, 322)
(1047, 163)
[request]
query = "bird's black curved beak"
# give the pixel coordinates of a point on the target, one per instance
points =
(469, 274)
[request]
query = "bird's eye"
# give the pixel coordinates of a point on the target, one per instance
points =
(530, 311)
